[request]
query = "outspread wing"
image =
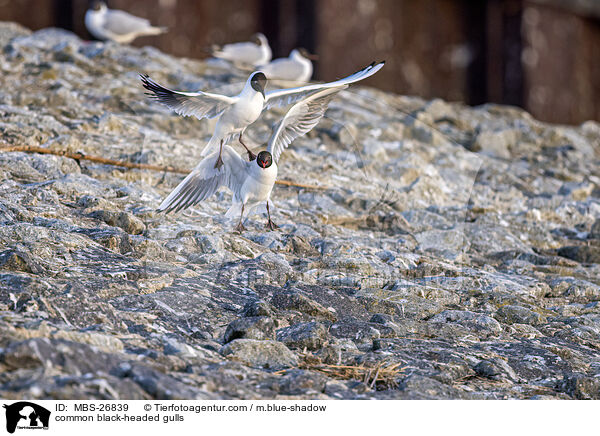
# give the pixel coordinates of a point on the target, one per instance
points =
(300, 119)
(282, 97)
(123, 23)
(205, 179)
(199, 104)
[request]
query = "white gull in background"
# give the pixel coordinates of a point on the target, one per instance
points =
(118, 26)
(297, 67)
(252, 53)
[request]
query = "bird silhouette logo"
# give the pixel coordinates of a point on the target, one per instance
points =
(26, 415)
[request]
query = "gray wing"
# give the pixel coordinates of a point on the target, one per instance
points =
(300, 119)
(239, 51)
(282, 69)
(199, 104)
(205, 179)
(122, 23)
(282, 97)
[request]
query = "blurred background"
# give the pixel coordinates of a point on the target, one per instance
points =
(542, 55)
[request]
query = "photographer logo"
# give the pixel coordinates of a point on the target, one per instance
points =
(24, 415)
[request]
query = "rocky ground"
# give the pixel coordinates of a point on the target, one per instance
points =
(451, 252)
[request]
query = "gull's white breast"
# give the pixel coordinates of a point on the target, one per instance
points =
(258, 183)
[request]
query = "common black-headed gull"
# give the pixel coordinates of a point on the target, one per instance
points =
(238, 112)
(251, 182)
(254, 53)
(118, 26)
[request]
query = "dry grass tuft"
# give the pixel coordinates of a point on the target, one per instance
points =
(382, 376)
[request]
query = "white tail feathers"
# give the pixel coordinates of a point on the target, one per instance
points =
(154, 31)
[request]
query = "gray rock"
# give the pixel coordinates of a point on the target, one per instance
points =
(19, 261)
(579, 191)
(301, 303)
(256, 327)
(258, 308)
(595, 230)
(475, 321)
(417, 387)
(361, 333)
(331, 354)
(260, 354)
(298, 381)
(72, 357)
(495, 369)
(124, 220)
(309, 335)
(580, 386)
(158, 385)
(581, 253)
(381, 318)
(496, 143)
(512, 314)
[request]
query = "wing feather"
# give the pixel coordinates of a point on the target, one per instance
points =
(300, 119)
(123, 23)
(239, 51)
(199, 104)
(205, 179)
(283, 97)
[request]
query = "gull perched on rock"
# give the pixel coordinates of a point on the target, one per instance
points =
(238, 112)
(118, 26)
(251, 182)
(297, 67)
(254, 53)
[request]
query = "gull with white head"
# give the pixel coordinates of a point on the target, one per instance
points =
(118, 26)
(297, 67)
(253, 53)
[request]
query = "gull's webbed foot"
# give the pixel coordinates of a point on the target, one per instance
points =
(219, 162)
(271, 225)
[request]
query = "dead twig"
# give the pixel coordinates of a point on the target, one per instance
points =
(299, 185)
(383, 374)
(124, 164)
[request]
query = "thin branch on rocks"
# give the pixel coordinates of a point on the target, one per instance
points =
(125, 164)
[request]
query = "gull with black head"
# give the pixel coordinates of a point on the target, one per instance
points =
(251, 182)
(238, 112)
